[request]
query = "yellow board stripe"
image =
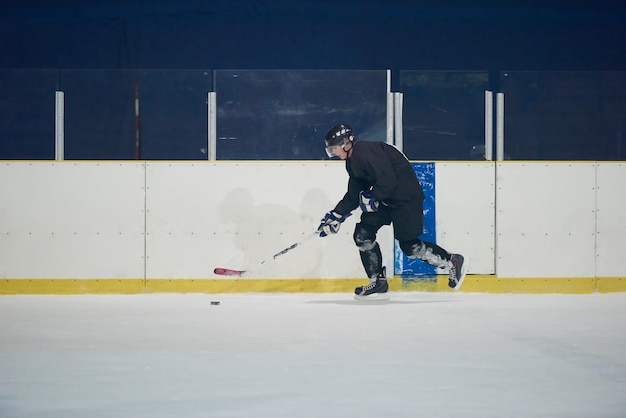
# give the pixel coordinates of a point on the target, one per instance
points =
(473, 283)
(70, 286)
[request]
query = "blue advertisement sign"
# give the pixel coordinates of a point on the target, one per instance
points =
(403, 265)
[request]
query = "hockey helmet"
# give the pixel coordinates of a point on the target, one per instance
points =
(339, 135)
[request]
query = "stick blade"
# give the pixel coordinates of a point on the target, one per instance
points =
(228, 272)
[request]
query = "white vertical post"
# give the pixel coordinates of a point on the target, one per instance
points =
(500, 126)
(488, 125)
(212, 126)
(59, 126)
(389, 124)
(397, 113)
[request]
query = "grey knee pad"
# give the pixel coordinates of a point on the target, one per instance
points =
(364, 240)
(426, 253)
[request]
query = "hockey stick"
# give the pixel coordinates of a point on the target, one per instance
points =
(240, 273)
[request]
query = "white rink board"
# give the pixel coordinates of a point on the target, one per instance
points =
(180, 220)
(545, 219)
(465, 217)
(71, 220)
(611, 231)
(237, 215)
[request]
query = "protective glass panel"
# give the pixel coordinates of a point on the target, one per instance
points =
(101, 121)
(99, 114)
(173, 114)
(27, 114)
(565, 115)
(443, 113)
(285, 114)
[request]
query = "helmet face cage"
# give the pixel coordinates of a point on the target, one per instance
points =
(338, 136)
(330, 149)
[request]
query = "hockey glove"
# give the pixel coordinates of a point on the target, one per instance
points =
(367, 202)
(330, 223)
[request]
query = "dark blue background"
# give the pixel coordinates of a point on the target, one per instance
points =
(100, 52)
(319, 34)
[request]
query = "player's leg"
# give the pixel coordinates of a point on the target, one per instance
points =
(426, 251)
(371, 256)
(369, 250)
(408, 222)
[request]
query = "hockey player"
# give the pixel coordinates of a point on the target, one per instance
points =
(383, 184)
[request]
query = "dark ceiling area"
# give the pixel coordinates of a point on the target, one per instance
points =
(317, 34)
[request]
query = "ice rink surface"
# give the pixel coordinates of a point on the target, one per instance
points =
(313, 355)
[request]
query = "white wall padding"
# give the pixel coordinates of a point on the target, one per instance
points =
(611, 215)
(180, 220)
(71, 220)
(236, 215)
(465, 212)
(545, 219)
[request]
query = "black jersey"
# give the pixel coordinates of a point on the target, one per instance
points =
(384, 171)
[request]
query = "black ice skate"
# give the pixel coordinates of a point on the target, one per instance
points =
(376, 290)
(457, 271)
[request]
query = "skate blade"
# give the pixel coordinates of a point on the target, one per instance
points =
(373, 297)
(463, 273)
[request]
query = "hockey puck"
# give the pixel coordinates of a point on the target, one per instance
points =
(215, 302)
